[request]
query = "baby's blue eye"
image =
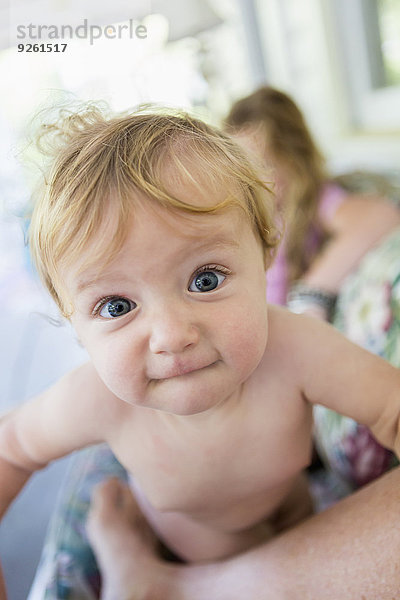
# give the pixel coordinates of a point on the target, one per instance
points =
(116, 307)
(206, 281)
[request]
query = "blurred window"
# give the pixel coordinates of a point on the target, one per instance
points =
(383, 25)
(369, 35)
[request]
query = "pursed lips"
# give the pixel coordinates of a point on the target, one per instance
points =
(177, 370)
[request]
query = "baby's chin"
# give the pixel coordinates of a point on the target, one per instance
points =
(191, 394)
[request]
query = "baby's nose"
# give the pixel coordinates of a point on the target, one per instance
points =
(172, 331)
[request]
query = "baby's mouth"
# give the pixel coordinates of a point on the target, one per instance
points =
(178, 370)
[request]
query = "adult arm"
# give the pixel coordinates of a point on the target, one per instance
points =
(351, 551)
(355, 227)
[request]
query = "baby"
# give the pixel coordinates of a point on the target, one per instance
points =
(153, 235)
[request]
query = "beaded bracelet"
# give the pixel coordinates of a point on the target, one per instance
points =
(302, 297)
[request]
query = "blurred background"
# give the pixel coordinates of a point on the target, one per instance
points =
(339, 60)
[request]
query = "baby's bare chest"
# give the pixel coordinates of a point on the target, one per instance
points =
(244, 464)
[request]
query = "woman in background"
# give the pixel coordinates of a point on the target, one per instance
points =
(327, 229)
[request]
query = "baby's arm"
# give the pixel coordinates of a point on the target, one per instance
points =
(342, 376)
(61, 419)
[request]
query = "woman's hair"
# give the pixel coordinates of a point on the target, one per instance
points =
(290, 144)
(98, 161)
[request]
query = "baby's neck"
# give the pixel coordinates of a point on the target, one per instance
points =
(219, 413)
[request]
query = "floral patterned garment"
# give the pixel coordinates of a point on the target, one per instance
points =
(68, 568)
(368, 313)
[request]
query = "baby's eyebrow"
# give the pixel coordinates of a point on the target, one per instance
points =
(215, 242)
(208, 243)
(84, 284)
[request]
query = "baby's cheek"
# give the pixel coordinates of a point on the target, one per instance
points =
(247, 342)
(115, 369)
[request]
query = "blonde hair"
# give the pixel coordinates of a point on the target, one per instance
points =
(289, 141)
(95, 155)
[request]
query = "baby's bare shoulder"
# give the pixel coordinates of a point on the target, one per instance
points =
(85, 388)
(286, 330)
(292, 330)
(284, 333)
(76, 411)
(294, 341)
(78, 406)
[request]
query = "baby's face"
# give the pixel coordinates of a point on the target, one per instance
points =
(178, 320)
